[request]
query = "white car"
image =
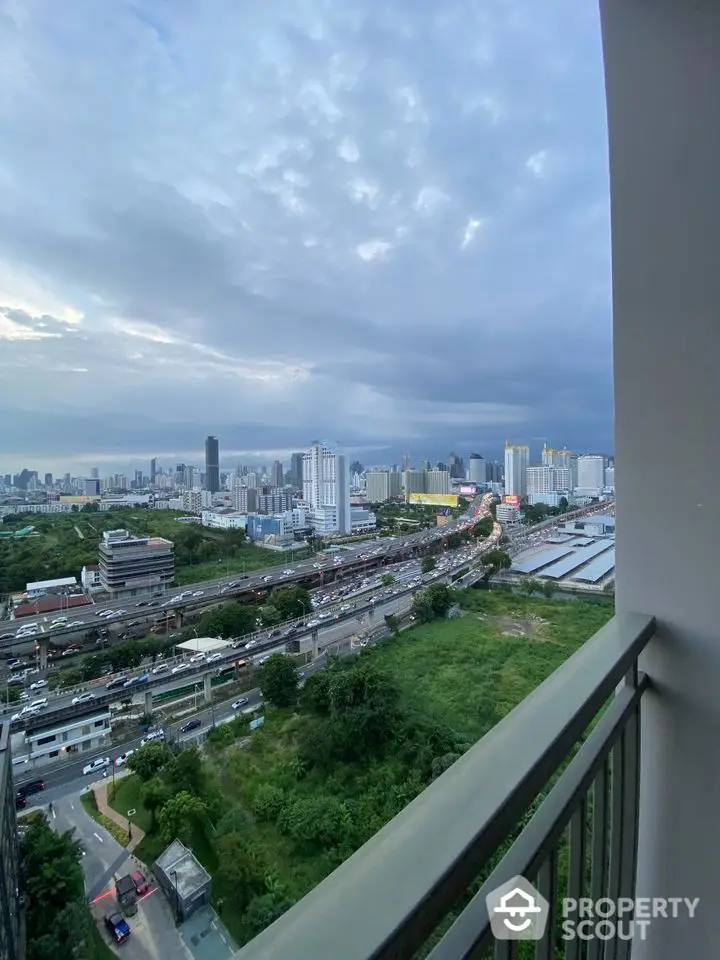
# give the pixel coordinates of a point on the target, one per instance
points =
(267, 579)
(76, 623)
(160, 668)
(94, 765)
(82, 698)
(214, 657)
(179, 667)
(38, 685)
(153, 737)
(250, 644)
(198, 658)
(288, 572)
(123, 758)
(236, 704)
(199, 593)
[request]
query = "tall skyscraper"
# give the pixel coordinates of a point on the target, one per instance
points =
(477, 470)
(153, 470)
(517, 458)
(212, 464)
(590, 474)
(296, 470)
(95, 473)
(277, 474)
(326, 488)
(560, 459)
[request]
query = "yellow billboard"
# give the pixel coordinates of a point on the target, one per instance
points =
(79, 499)
(434, 499)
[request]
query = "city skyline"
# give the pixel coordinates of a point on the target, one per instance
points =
(409, 248)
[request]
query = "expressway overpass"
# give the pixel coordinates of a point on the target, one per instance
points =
(62, 709)
(312, 572)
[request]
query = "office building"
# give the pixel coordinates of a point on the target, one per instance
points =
(296, 470)
(326, 489)
(212, 464)
(477, 470)
(507, 513)
(517, 457)
(244, 499)
(9, 859)
(272, 501)
(91, 487)
(277, 474)
(132, 566)
(53, 740)
(153, 470)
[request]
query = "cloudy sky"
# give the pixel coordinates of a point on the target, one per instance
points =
(382, 224)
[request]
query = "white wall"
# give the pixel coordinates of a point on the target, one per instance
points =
(663, 85)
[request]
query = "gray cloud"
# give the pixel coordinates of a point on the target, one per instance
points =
(373, 223)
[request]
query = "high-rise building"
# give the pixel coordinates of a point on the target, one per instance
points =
(48, 479)
(477, 470)
(10, 905)
(212, 464)
(437, 481)
(326, 489)
(414, 481)
(296, 470)
(277, 474)
(95, 473)
(153, 470)
(590, 474)
(382, 485)
(456, 466)
(517, 457)
(555, 458)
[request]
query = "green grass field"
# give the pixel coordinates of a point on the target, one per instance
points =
(247, 559)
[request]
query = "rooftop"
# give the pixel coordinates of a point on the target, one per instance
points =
(204, 644)
(49, 605)
(185, 873)
(51, 584)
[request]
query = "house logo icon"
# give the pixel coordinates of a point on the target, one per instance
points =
(517, 911)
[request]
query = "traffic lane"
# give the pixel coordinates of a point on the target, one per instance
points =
(252, 579)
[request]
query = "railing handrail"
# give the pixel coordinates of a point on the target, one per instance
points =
(389, 896)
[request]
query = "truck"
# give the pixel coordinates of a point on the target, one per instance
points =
(117, 926)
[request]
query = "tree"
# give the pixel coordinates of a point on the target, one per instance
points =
(392, 622)
(229, 620)
(185, 771)
(155, 795)
(316, 822)
(291, 602)
(240, 870)
(428, 563)
(529, 586)
(563, 504)
(279, 681)
(148, 760)
(497, 559)
(268, 801)
(387, 580)
(548, 589)
(180, 815)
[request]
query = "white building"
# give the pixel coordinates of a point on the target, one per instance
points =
(438, 481)
(195, 501)
(590, 475)
(66, 740)
(224, 521)
(507, 513)
(477, 469)
(39, 587)
(363, 520)
(90, 578)
(517, 457)
(382, 485)
(326, 490)
(556, 458)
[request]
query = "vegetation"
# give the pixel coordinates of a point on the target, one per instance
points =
(535, 512)
(270, 813)
(58, 920)
(91, 808)
(63, 543)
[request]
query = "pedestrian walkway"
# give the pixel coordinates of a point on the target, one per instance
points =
(101, 799)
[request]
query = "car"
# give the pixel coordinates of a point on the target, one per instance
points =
(236, 704)
(15, 680)
(37, 704)
(143, 603)
(180, 667)
(288, 572)
(199, 593)
(117, 926)
(123, 758)
(98, 764)
(38, 685)
(33, 786)
(20, 802)
(141, 884)
(160, 668)
(250, 644)
(116, 682)
(69, 652)
(6, 636)
(152, 737)
(82, 698)
(198, 658)
(13, 661)
(76, 623)
(213, 658)
(264, 659)
(191, 725)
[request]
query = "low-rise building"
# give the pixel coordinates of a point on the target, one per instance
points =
(508, 513)
(183, 879)
(132, 566)
(90, 578)
(63, 739)
(41, 587)
(224, 521)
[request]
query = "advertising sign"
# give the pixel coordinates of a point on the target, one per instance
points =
(434, 499)
(467, 490)
(513, 499)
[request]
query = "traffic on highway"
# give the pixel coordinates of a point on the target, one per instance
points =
(96, 615)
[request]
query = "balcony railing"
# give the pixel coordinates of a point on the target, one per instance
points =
(570, 753)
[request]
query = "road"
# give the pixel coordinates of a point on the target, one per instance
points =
(223, 588)
(154, 935)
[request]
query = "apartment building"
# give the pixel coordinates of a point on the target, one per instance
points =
(132, 566)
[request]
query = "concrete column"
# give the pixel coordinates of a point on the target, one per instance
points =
(43, 647)
(179, 618)
(663, 98)
(315, 649)
(207, 687)
(148, 701)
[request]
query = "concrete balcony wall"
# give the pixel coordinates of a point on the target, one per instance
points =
(662, 60)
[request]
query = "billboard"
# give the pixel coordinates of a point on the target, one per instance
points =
(513, 499)
(468, 490)
(434, 499)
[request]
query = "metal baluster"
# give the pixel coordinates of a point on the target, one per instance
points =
(547, 886)
(600, 840)
(617, 793)
(576, 868)
(628, 853)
